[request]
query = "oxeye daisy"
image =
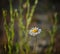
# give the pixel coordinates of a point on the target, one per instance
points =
(34, 31)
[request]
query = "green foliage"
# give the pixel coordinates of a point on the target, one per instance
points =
(22, 44)
(9, 28)
(52, 33)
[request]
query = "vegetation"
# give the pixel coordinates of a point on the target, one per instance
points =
(22, 45)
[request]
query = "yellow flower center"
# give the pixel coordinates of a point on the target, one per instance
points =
(35, 30)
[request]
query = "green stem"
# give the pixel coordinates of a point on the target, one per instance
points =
(35, 46)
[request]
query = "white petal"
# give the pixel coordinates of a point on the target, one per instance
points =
(34, 33)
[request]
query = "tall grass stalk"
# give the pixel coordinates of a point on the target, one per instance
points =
(52, 35)
(29, 15)
(9, 27)
(23, 30)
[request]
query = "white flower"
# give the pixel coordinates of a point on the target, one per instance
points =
(34, 31)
